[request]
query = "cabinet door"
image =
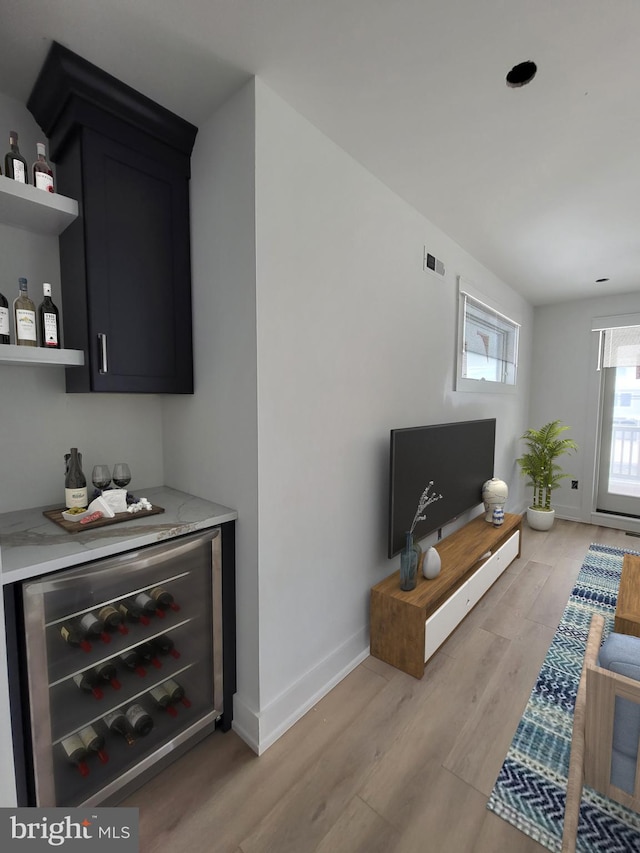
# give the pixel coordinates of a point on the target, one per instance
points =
(138, 275)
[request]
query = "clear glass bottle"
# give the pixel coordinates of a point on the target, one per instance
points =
(48, 320)
(15, 166)
(24, 314)
(42, 171)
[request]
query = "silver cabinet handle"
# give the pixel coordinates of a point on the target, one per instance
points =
(102, 344)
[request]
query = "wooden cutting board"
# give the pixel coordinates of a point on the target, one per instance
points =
(55, 515)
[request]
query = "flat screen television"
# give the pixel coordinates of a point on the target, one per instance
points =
(458, 457)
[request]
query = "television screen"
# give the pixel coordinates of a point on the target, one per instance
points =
(457, 457)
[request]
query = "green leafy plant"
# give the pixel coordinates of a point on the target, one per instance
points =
(539, 464)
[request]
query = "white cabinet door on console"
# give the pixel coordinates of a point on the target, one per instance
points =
(448, 616)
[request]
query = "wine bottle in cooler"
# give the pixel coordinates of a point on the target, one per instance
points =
(117, 722)
(112, 619)
(73, 637)
(133, 613)
(48, 320)
(165, 646)
(93, 628)
(133, 661)
(76, 753)
(15, 166)
(139, 720)
(93, 742)
(148, 605)
(162, 699)
(24, 315)
(163, 599)
(148, 654)
(88, 682)
(5, 336)
(176, 691)
(75, 483)
(107, 672)
(42, 171)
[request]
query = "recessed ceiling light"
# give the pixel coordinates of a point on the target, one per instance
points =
(521, 74)
(601, 280)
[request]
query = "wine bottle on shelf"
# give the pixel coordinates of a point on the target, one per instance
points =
(76, 753)
(24, 315)
(139, 720)
(94, 627)
(165, 646)
(117, 722)
(133, 613)
(42, 171)
(163, 599)
(75, 483)
(48, 320)
(73, 637)
(133, 661)
(176, 691)
(148, 605)
(148, 654)
(5, 337)
(107, 672)
(162, 699)
(88, 683)
(15, 166)
(112, 619)
(93, 742)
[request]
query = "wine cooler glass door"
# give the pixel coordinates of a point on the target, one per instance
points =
(124, 664)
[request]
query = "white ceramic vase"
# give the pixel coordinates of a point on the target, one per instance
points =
(494, 495)
(431, 564)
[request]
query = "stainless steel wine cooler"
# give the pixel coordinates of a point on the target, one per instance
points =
(124, 665)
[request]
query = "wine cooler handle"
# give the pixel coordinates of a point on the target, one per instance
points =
(102, 344)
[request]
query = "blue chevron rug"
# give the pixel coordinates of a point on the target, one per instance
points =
(530, 789)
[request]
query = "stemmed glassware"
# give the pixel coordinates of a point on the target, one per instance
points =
(121, 475)
(100, 476)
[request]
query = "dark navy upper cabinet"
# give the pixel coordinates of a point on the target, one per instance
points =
(125, 261)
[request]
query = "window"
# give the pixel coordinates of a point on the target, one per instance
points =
(487, 352)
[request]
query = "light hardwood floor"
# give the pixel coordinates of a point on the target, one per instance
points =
(386, 762)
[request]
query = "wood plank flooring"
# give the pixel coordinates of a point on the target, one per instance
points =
(385, 762)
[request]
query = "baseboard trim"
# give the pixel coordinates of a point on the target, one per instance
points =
(261, 729)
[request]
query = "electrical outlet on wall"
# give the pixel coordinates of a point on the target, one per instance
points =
(574, 484)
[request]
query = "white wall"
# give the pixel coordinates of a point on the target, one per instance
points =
(565, 385)
(38, 421)
(353, 339)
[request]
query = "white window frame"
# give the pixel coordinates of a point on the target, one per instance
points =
(469, 296)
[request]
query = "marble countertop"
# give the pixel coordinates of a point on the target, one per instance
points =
(32, 545)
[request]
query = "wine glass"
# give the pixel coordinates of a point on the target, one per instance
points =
(121, 474)
(101, 476)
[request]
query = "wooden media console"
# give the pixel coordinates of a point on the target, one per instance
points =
(408, 627)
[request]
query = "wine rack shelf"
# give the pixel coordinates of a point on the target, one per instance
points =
(25, 206)
(12, 354)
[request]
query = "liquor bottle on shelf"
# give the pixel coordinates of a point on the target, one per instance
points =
(176, 691)
(112, 619)
(15, 166)
(163, 599)
(165, 646)
(107, 672)
(73, 637)
(162, 699)
(48, 320)
(24, 315)
(133, 661)
(5, 337)
(139, 720)
(93, 742)
(148, 605)
(76, 753)
(75, 483)
(88, 683)
(94, 627)
(117, 722)
(148, 654)
(42, 171)
(133, 613)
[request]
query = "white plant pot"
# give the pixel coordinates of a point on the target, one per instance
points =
(540, 519)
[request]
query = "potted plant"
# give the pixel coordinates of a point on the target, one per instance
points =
(539, 464)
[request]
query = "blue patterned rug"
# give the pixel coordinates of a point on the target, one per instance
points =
(530, 789)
